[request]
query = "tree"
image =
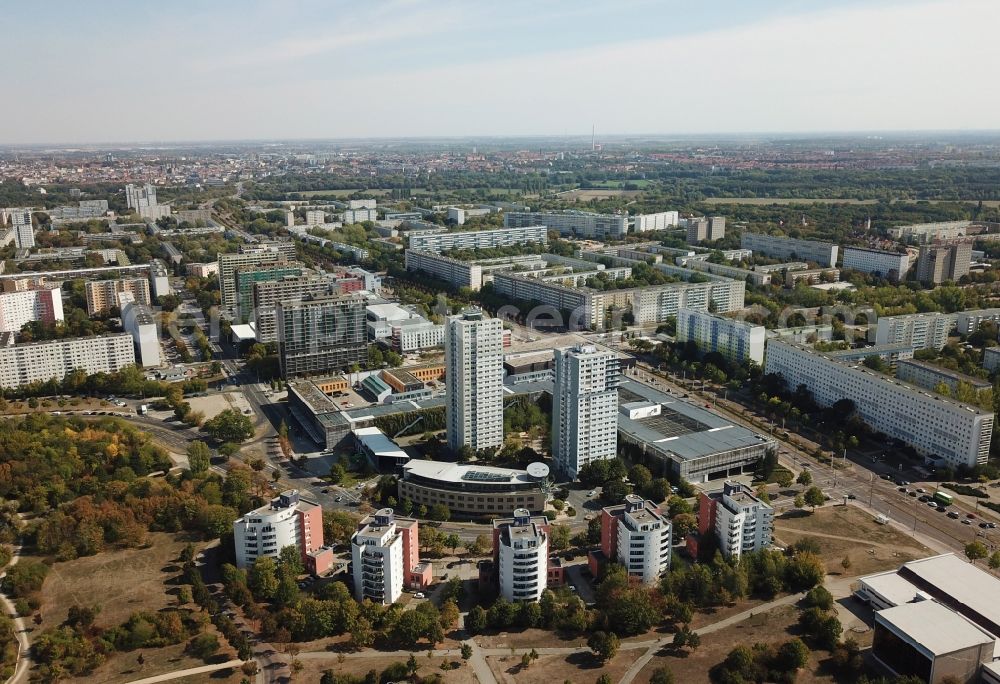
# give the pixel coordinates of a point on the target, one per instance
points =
(684, 524)
(452, 541)
(603, 644)
(805, 478)
(662, 675)
(439, 512)
(846, 563)
(337, 473)
(640, 477)
(199, 457)
(604, 679)
(475, 621)
(203, 646)
(814, 497)
(559, 537)
(466, 651)
(799, 501)
(792, 655)
(783, 478)
(995, 561)
(976, 550)
(819, 597)
(449, 614)
(481, 546)
(229, 426)
(263, 578)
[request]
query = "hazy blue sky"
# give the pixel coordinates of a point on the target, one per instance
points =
(113, 70)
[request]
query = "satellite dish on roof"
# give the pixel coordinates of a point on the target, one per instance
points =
(538, 471)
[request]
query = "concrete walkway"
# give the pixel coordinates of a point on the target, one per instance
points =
(651, 651)
(190, 672)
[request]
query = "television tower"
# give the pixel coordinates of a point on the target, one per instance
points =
(593, 138)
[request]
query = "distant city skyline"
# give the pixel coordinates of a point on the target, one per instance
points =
(119, 72)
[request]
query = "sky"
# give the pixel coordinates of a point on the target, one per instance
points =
(126, 71)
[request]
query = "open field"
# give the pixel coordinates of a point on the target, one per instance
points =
(347, 192)
(848, 531)
(587, 195)
(313, 667)
(128, 581)
(122, 583)
(550, 669)
(774, 626)
(124, 667)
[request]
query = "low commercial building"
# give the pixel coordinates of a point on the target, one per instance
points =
(889, 265)
(934, 617)
(784, 247)
(288, 520)
(740, 521)
(691, 442)
(521, 554)
(22, 364)
(637, 535)
(471, 490)
(935, 426)
(929, 376)
(19, 307)
(480, 239)
(928, 641)
(737, 341)
(383, 454)
(385, 555)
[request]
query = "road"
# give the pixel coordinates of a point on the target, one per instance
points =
(852, 477)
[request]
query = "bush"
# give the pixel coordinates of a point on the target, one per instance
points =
(203, 646)
(966, 490)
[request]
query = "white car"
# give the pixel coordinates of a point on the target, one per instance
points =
(419, 595)
(592, 492)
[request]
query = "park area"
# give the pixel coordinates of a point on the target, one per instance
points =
(121, 583)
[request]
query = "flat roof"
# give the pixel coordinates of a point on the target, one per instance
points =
(376, 441)
(244, 331)
(893, 588)
(962, 581)
(683, 429)
(457, 472)
(934, 627)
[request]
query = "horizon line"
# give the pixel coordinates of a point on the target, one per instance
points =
(510, 137)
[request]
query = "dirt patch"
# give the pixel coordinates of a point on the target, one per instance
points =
(774, 626)
(529, 638)
(124, 667)
(845, 531)
(121, 582)
(574, 667)
(313, 668)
